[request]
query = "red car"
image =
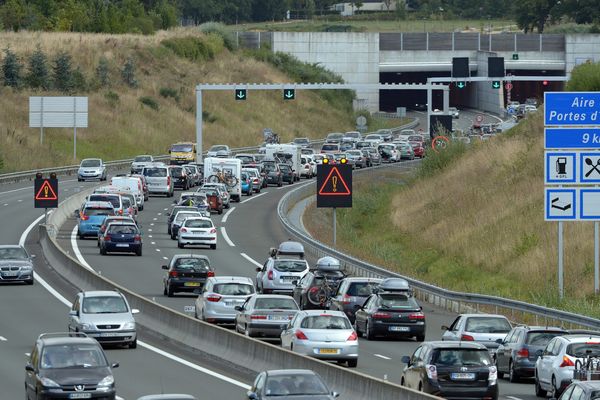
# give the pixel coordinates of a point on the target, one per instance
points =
(418, 149)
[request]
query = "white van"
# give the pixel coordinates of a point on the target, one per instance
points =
(134, 185)
(158, 179)
(213, 166)
(290, 153)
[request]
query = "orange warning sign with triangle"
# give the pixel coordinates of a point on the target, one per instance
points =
(334, 185)
(46, 192)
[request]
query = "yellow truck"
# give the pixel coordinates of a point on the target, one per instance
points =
(182, 153)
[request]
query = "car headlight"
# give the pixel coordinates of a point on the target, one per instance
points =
(48, 383)
(26, 268)
(106, 383)
(87, 326)
(129, 325)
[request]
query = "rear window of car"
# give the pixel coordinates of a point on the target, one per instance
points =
(113, 199)
(192, 263)
(269, 167)
(362, 289)
(183, 215)
(89, 211)
(541, 338)
(142, 159)
(233, 289)
(330, 147)
(176, 170)
(289, 266)
(284, 167)
(155, 172)
(123, 229)
(397, 301)
(325, 322)
(245, 159)
(487, 325)
(415, 138)
(276, 303)
(591, 348)
(352, 134)
(198, 223)
(462, 357)
(126, 202)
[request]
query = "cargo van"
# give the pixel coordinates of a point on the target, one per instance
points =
(182, 153)
(216, 170)
(288, 153)
(134, 185)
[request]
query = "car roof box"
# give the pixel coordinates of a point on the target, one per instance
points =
(394, 285)
(328, 264)
(288, 248)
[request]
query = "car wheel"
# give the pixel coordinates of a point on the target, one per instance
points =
(555, 391)
(369, 334)
(169, 230)
(420, 386)
(213, 246)
(500, 374)
(358, 333)
(420, 338)
(169, 291)
(220, 211)
(513, 377)
(246, 331)
(539, 392)
(29, 281)
(180, 245)
(352, 363)
(138, 252)
(133, 344)
(280, 183)
(103, 251)
(165, 290)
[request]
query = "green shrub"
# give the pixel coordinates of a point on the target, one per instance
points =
(436, 161)
(219, 29)
(128, 73)
(112, 98)
(585, 77)
(38, 76)
(195, 48)
(63, 72)
(11, 69)
(169, 92)
(150, 102)
(102, 72)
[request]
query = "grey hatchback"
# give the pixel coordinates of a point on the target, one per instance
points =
(351, 293)
(16, 265)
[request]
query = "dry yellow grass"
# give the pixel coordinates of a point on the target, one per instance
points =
(128, 128)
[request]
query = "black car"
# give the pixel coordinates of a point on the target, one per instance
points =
(316, 288)
(186, 273)
(121, 237)
(273, 173)
(518, 351)
(68, 366)
(287, 174)
(181, 178)
(390, 314)
(301, 384)
(173, 212)
(452, 370)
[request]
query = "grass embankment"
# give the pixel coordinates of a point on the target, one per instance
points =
(126, 121)
(472, 221)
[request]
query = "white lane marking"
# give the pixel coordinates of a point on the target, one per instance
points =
(20, 200)
(224, 219)
(156, 350)
(166, 209)
(153, 243)
(254, 197)
(119, 398)
(157, 249)
(247, 257)
(150, 230)
(513, 398)
(159, 214)
(224, 234)
(149, 236)
(380, 356)
(27, 354)
(3, 339)
(165, 258)
(76, 249)
(152, 224)
(5, 204)
(154, 219)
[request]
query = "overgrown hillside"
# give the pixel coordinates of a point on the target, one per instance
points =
(160, 108)
(475, 225)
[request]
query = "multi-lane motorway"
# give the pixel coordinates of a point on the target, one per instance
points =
(246, 232)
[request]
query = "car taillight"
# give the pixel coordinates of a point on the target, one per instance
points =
(270, 275)
(523, 353)
(213, 230)
(120, 212)
(348, 299)
(173, 274)
(182, 230)
(258, 317)
(468, 338)
(107, 238)
(381, 315)
(352, 337)
(210, 274)
(300, 335)
(137, 238)
(213, 298)
(416, 316)
(493, 375)
(567, 362)
(168, 181)
(84, 217)
(431, 372)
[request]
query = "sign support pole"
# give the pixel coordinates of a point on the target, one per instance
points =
(334, 226)
(74, 128)
(198, 125)
(561, 292)
(596, 257)
(42, 122)
(46, 216)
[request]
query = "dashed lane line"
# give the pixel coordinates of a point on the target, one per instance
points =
(247, 257)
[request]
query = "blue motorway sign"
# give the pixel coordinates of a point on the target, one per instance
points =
(560, 204)
(572, 138)
(571, 108)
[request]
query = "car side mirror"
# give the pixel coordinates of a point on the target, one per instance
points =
(358, 307)
(335, 395)
(252, 395)
(29, 368)
(295, 282)
(76, 213)
(258, 269)
(239, 308)
(445, 328)
(165, 267)
(135, 311)
(405, 360)
(114, 365)
(174, 201)
(500, 341)
(540, 353)
(73, 313)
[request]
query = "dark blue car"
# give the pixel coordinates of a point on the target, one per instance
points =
(122, 238)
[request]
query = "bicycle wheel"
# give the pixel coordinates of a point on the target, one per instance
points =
(317, 295)
(231, 181)
(213, 179)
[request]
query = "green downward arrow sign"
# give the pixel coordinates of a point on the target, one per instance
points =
(240, 94)
(460, 85)
(496, 85)
(289, 94)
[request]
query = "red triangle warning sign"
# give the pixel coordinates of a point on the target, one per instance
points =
(334, 185)
(46, 192)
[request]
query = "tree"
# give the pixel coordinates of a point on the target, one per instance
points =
(531, 14)
(387, 4)
(128, 73)
(400, 9)
(38, 76)
(13, 14)
(11, 69)
(585, 77)
(102, 72)
(63, 72)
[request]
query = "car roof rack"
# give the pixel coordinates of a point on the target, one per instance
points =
(62, 335)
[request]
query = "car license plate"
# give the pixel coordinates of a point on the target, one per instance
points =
(80, 395)
(399, 328)
(110, 334)
(288, 278)
(277, 317)
(462, 376)
(191, 284)
(329, 351)
(10, 273)
(122, 244)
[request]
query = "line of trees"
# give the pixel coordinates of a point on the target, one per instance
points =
(147, 16)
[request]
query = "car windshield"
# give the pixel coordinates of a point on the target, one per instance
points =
(352, 134)
(155, 172)
(198, 223)
(362, 289)
(245, 159)
(589, 348)
(355, 152)
(90, 163)
(325, 322)
(183, 215)
(104, 305)
(301, 140)
(487, 325)
(72, 356)
(89, 211)
(397, 301)
(335, 136)
(290, 385)
(290, 265)
(176, 171)
(123, 229)
(541, 338)
(275, 304)
(462, 357)
(284, 167)
(181, 148)
(112, 199)
(373, 137)
(192, 264)
(218, 148)
(13, 253)
(233, 289)
(142, 159)
(269, 167)
(329, 147)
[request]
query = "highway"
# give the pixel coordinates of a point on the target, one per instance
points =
(246, 232)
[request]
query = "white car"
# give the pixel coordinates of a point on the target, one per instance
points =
(139, 162)
(197, 230)
(554, 367)
(307, 167)
(91, 168)
(392, 149)
(219, 150)
(323, 334)
(483, 328)
(374, 139)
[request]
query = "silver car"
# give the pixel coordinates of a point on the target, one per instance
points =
(483, 328)
(104, 315)
(278, 274)
(265, 315)
(327, 335)
(195, 231)
(158, 179)
(91, 168)
(219, 149)
(220, 296)
(16, 265)
(139, 162)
